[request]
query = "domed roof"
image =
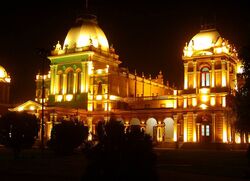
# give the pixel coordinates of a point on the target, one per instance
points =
(86, 32)
(3, 73)
(205, 39)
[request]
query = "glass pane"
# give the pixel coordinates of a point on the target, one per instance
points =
(203, 79)
(207, 79)
(202, 130)
(207, 130)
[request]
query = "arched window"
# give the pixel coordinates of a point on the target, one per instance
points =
(205, 77)
(79, 82)
(70, 82)
(60, 83)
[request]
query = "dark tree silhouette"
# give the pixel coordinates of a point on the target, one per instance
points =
(241, 103)
(18, 130)
(119, 155)
(66, 136)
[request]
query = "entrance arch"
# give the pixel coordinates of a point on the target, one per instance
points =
(135, 122)
(204, 122)
(151, 128)
(168, 129)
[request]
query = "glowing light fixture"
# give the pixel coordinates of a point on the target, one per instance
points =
(99, 97)
(204, 98)
(20, 109)
(69, 97)
(203, 106)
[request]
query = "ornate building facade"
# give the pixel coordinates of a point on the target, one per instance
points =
(86, 82)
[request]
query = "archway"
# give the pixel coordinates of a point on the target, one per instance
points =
(169, 130)
(135, 122)
(151, 128)
(204, 128)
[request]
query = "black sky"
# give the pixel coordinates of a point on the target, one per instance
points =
(148, 35)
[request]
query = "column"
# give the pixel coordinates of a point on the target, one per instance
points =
(194, 127)
(185, 135)
(223, 75)
(52, 78)
(175, 127)
(185, 75)
(213, 127)
(194, 75)
(83, 78)
(75, 83)
(64, 83)
(212, 74)
(228, 74)
(56, 90)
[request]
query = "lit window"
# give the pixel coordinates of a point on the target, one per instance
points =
(205, 77)
(202, 130)
(207, 130)
(70, 82)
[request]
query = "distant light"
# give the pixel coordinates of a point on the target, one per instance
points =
(203, 106)
(69, 97)
(32, 108)
(20, 109)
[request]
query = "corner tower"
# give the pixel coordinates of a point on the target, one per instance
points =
(80, 68)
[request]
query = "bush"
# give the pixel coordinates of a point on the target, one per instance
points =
(18, 130)
(66, 136)
(120, 156)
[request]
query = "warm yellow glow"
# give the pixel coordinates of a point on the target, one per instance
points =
(204, 91)
(143, 122)
(90, 68)
(99, 71)
(239, 68)
(175, 104)
(105, 96)
(20, 109)
(212, 101)
(90, 107)
(204, 98)
(223, 81)
(3, 73)
(194, 101)
(175, 136)
(185, 103)
(89, 137)
(69, 97)
(185, 133)
(223, 101)
(194, 136)
(159, 122)
(99, 97)
(107, 68)
(175, 92)
(185, 83)
(218, 50)
(105, 106)
(109, 107)
(7, 79)
(32, 108)
(237, 138)
(203, 106)
(112, 97)
(88, 33)
(169, 103)
(59, 98)
(224, 134)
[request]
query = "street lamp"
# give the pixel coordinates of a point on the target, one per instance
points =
(43, 55)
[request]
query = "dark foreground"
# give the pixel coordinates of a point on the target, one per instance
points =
(171, 165)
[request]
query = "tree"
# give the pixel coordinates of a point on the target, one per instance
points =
(67, 135)
(242, 97)
(18, 130)
(119, 155)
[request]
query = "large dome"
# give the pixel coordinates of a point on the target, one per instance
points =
(3, 73)
(208, 42)
(86, 32)
(205, 39)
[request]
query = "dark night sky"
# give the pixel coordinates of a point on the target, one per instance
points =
(148, 35)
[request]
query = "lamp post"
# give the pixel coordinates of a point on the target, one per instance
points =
(43, 56)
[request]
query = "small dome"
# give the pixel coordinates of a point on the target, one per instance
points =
(3, 73)
(86, 32)
(205, 39)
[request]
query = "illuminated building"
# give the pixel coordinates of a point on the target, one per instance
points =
(4, 90)
(85, 82)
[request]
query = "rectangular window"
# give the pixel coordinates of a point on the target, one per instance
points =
(207, 130)
(202, 130)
